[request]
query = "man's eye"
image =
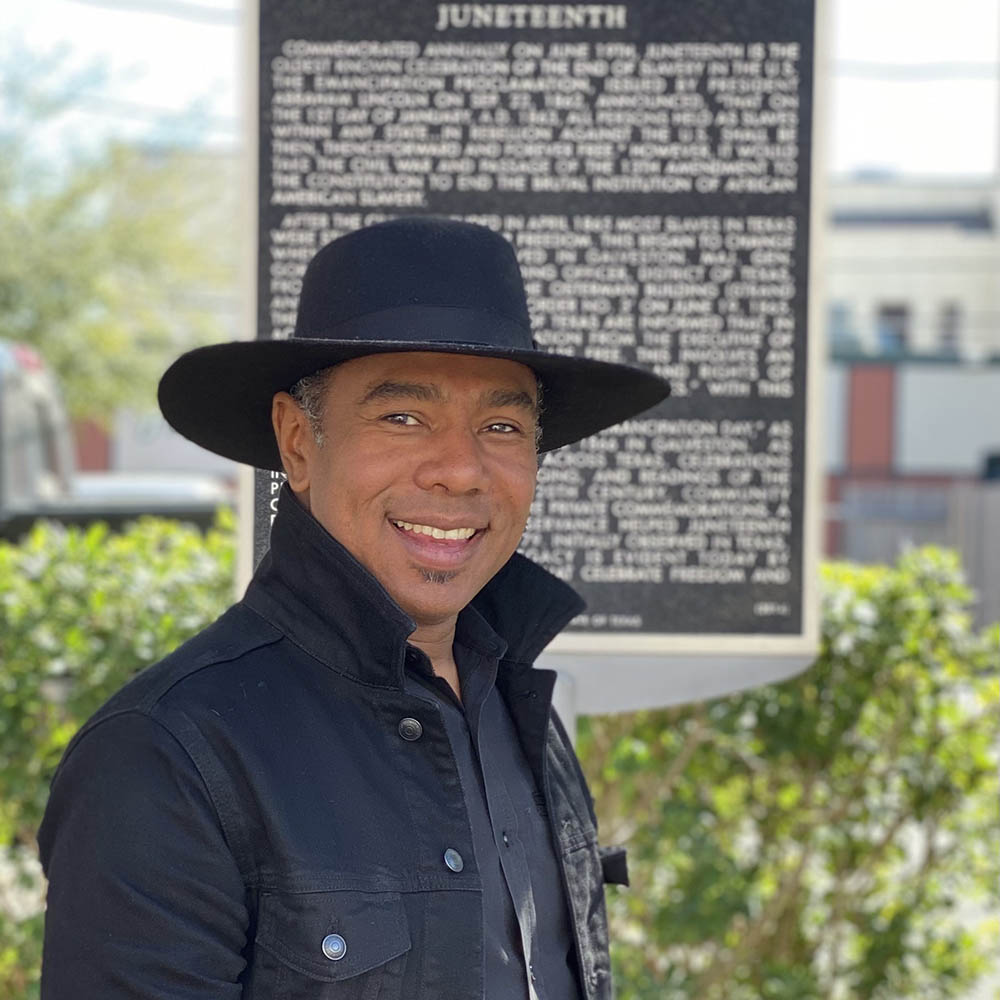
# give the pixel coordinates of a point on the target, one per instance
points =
(503, 427)
(402, 419)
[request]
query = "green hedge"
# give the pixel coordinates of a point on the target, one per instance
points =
(832, 836)
(81, 611)
(811, 839)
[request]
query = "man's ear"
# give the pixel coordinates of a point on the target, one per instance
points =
(296, 442)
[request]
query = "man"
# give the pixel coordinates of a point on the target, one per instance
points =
(352, 785)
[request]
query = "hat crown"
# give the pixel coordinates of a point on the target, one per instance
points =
(407, 262)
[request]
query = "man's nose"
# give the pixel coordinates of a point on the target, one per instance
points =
(453, 460)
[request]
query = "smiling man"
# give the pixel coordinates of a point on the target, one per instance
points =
(424, 471)
(353, 785)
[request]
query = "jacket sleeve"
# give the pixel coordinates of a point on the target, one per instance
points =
(614, 859)
(145, 899)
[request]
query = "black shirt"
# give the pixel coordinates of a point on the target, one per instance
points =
(528, 945)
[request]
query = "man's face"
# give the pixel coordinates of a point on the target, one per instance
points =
(419, 446)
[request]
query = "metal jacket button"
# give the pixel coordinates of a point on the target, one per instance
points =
(410, 729)
(453, 860)
(334, 947)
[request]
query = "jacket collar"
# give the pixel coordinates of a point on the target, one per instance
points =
(314, 591)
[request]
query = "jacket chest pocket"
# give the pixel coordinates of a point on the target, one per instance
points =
(341, 945)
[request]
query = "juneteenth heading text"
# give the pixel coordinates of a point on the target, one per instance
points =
(521, 15)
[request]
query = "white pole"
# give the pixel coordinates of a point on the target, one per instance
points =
(564, 702)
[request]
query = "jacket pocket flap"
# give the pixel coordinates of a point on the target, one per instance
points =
(614, 865)
(332, 936)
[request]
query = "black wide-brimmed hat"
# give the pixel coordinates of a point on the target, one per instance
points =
(410, 284)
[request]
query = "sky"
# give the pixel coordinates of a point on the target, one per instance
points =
(911, 91)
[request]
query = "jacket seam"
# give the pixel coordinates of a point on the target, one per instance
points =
(144, 713)
(152, 701)
(146, 705)
(220, 790)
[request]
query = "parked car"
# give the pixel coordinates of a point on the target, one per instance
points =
(38, 476)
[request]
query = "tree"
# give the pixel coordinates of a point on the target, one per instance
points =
(833, 836)
(116, 258)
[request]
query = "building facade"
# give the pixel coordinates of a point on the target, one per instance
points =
(912, 275)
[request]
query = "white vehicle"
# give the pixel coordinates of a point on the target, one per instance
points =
(38, 478)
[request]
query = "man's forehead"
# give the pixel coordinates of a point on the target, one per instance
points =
(434, 392)
(435, 377)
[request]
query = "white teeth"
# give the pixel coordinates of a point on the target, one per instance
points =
(426, 529)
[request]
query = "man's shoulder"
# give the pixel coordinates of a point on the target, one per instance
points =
(235, 634)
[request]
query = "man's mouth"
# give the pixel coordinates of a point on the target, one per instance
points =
(437, 548)
(450, 534)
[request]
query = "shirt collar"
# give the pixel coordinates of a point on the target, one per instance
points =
(312, 589)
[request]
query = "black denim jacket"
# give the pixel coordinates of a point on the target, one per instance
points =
(252, 817)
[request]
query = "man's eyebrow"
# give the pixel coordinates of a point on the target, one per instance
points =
(430, 393)
(511, 397)
(401, 390)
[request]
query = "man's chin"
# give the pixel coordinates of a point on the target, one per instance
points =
(436, 599)
(432, 595)
(438, 576)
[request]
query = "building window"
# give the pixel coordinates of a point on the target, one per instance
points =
(893, 329)
(840, 329)
(949, 328)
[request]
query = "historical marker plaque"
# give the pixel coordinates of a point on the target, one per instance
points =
(652, 165)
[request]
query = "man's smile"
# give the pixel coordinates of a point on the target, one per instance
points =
(435, 547)
(427, 529)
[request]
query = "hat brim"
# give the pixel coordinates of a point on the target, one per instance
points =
(220, 396)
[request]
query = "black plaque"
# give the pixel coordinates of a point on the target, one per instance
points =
(651, 163)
